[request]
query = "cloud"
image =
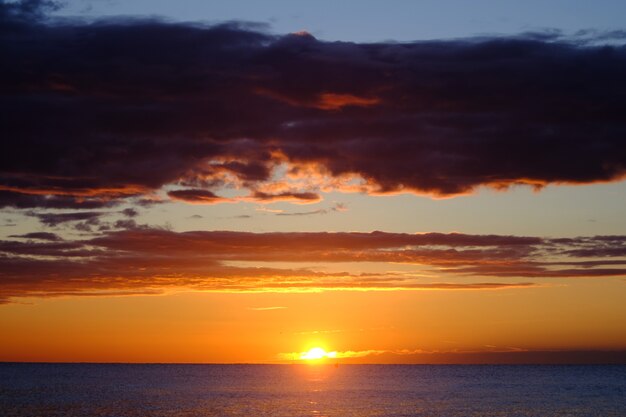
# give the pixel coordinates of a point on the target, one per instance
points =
(247, 246)
(125, 224)
(304, 197)
(54, 219)
(130, 212)
(147, 259)
(483, 355)
(26, 201)
(196, 196)
(289, 356)
(303, 213)
(106, 102)
(323, 101)
(63, 249)
(39, 236)
(85, 221)
(26, 10)
(336, 207)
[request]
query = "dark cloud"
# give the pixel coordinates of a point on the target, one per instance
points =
(148, 202)
(139, 258)
(505, 356)
(594, 247)
(26, 201)
(54, 219)
(196, 196)
(56, 249)
(245, 243)
(90, 109)
(304, 197)
(126, 224)
(130, 212)
(39, 236)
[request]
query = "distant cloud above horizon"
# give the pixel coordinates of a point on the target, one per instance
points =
(147, 261)
(119, 110)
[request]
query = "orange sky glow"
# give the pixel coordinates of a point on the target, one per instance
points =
(221, 193)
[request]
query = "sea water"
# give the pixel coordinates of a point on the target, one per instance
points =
(120, 390)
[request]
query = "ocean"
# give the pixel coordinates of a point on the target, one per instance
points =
(121, 390)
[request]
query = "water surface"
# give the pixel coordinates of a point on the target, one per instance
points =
(120, 390)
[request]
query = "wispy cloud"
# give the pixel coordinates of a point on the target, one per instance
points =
(339, 207)
(480, 354)
(349, 354)
(142, 258)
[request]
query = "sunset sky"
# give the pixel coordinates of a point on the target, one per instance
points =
(394, 182)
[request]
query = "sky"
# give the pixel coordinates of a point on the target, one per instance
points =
(242, 182)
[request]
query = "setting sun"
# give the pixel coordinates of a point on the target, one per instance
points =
(317, 353)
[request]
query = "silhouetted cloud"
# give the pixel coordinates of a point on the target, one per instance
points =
(54, 219)
(140, 258)
(304, 197)
(26, 201)
(130, 212)
(104, 103)
(125, 224)
(39, 236)
(196, 196)
(62, 249)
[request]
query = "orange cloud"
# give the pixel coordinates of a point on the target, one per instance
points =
(332, 101)
(144, 259)
(293, 196)
(322, 101)
(104, 192)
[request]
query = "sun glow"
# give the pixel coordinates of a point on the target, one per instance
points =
(317, 353)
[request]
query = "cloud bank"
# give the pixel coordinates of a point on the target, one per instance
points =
(144, 260)
(96, 112)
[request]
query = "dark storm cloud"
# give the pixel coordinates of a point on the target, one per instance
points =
(140, 259)
(95, 112)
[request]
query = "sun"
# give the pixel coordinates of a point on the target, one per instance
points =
(317, 353)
